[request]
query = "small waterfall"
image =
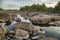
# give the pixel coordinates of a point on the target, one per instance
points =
(23, 19)
(11, 25)
(3, 25)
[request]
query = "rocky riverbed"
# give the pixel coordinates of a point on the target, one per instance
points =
(36, 17)
(22, 25)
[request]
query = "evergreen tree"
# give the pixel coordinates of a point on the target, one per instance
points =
(57, 7)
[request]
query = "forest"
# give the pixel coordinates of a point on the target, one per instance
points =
(43, 8)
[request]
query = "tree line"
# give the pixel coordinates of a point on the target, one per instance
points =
(37, 7)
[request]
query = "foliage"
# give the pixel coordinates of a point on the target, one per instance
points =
(50, 9)
(37, 7)
(57, 7)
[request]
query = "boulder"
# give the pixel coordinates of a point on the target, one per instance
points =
(57, 18)
(21, 33)
(57, 22)
(4, 17)
(40, 19)
(3, 31)
(24, 26)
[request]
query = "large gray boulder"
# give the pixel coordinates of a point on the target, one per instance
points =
(41, 19)
(24, 26)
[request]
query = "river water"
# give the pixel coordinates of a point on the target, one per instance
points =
(53, 32)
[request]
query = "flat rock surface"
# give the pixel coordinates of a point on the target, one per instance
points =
(48, 38)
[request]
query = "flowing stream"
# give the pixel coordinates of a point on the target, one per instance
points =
(53, 32)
